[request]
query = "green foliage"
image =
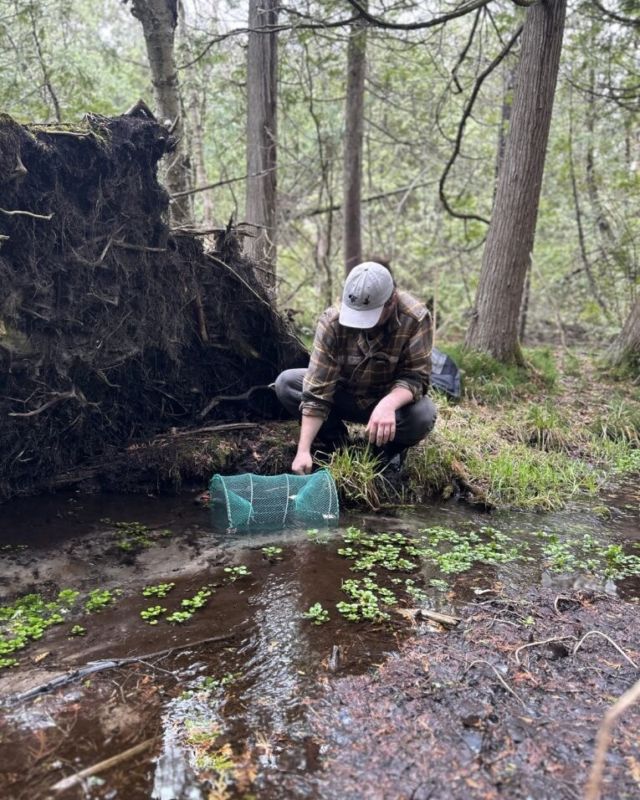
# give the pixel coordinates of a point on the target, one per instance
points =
(134, 536)
(272, 553)
(159, 590)
(317, 614)
(78, 630)
(152, 613)
(27, 618)
(491, 381)
(234, 573)
(99, 599)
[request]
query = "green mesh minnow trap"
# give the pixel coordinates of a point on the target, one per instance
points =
(274, 501)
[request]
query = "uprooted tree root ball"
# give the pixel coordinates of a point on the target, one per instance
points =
(113, 327)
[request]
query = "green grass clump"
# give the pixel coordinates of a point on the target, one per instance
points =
(620, 423)
(491, 381)
(545, 428)
(355, 470)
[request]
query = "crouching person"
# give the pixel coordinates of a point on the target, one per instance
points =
(371, 363)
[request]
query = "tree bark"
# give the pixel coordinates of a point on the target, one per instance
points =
(494, 325)
(354, 115)
(262, 89)
(625, 351)
(159, 19)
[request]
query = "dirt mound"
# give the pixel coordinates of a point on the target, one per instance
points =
(113, 327)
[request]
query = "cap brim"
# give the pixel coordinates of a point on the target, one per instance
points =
(356, 318)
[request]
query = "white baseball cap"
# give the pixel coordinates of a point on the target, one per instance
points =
(366, 290)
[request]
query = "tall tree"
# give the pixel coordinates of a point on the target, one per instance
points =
(625, 351)
(262, 90)
(354, 115)
(159, 19)
(494, 325)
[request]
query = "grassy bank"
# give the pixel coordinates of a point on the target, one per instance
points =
(529, 438)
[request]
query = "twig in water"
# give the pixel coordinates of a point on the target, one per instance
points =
(604, 635)
(101, 766)
(542, 641)
(625, 701)
(498, 676)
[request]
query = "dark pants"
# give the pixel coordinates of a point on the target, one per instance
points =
(413, 421)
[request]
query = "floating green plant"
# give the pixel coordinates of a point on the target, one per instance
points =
(317, 614)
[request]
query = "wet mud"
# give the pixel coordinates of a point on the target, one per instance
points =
(247, 697)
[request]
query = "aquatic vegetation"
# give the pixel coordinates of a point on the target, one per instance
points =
(159, 590)
(317, 614)
(199, 600)
(100, 598)
(179, 616)
(134, 536)
(27, 618)
(368, 600)
(78, 630)
(272, 553)
(233, 573)
(152, 613)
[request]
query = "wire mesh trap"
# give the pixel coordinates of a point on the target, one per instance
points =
(274, 501)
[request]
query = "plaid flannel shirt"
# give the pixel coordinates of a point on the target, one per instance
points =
(368, 366)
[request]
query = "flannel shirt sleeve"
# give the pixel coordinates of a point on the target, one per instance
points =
(414, 366)
(322, 375)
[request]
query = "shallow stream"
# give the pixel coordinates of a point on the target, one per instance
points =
(217, 701)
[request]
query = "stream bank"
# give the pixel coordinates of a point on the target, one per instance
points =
(292, 663)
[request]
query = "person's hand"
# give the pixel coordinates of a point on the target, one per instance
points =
(381, 427)
(302, 463)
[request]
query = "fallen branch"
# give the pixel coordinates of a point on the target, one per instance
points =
(100, 666)
(101, 766)
(625, 701)
(535, 644)
(446, 620)
(16, 212)
(604, 636)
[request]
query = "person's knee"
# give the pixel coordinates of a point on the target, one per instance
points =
(288, 388)
(420, 418)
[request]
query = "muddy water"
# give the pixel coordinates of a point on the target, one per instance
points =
(219, 700)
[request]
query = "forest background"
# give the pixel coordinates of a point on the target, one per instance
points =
(63, 58)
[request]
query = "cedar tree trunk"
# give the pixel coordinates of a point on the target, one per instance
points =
(356, 66)
(159, 19)
(262, 88)
(494, 326)
(625, 351)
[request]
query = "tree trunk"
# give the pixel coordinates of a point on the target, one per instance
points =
(262, 88)
(159, 19)
(494, 326)
(354, 113)
(625, 351)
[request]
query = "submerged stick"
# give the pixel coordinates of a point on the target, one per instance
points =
(101, 766)
(625, 701)
(99, 666)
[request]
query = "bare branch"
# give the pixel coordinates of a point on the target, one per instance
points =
(465, 115)
(461, 11)
(635, 22)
